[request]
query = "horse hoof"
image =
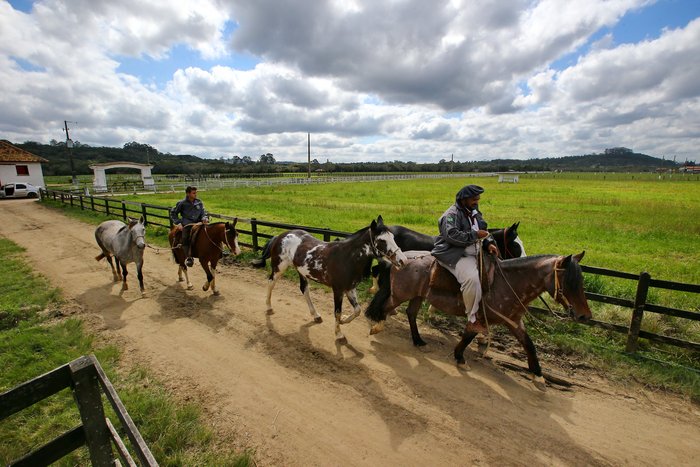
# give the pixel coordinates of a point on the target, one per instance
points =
(190, 287)
(216, 292)
(420, 343)
(205, 287)
(180, 279)
(341, 340)
(144, 295)
(540, 383)
(373, 290)
(270, 311)
(376, 329)
(318, 319)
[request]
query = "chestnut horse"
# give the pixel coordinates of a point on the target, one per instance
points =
(508, 286)
(208, 241)
(340, 265)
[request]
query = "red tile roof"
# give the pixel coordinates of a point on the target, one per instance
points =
(11, 153)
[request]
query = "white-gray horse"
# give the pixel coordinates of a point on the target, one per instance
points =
(126, 243)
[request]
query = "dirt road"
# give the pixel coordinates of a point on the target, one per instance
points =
(283, 386)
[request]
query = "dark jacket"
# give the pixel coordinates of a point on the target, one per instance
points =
(186, 213)
(456, 237)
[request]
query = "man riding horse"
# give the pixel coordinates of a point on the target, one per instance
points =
(186, 213)
(457, 248)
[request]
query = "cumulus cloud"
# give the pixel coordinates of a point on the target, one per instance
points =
(372, 80)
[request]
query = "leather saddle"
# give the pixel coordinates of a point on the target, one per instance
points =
(441, 279)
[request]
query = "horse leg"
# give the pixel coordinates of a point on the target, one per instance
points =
(139, 274)
(412, 313)
(115, 273)
(213, 278)
(338, 310)
(467, 337)
(124, 274)
(304, 287)
(274, 277)
(375, 280)
(352, 298)
(389, 307)
(183, 269)
(207, 271)
(533, 362)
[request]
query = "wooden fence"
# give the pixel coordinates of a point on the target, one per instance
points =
(88, 382)
(159, 215)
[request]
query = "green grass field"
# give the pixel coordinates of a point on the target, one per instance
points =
(35, 337)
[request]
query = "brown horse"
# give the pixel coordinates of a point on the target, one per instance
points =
(340, 265)
(208, 241)
(508, 287)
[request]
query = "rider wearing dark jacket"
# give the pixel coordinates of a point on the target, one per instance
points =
(187, 212)
(457, 247)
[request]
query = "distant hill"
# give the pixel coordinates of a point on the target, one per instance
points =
(612, 160)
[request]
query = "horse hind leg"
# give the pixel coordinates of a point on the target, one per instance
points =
(412, 313)
(139, 275)
(278, 267)
(124, 274)
(338, 305)
(115, 272)
(533, 362)
(304, 287)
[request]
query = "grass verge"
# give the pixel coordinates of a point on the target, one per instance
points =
(35, 338)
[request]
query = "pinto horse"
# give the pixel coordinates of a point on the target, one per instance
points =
(126, 243)
(339, 265)
(508, 288)
(208, 241)
(507, 240)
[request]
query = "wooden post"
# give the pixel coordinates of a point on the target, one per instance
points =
(71, 199)
(82, 207)
(326, 236)
(170, 217)
(638, 312)
(92, 203)
(254, 233)
(143, 213)
(107, 206)
(124, 210)
(87, 394)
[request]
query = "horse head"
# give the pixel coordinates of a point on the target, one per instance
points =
(137, 230)
(384, 245)
(512, 244)
(568, 287)
(232, 237)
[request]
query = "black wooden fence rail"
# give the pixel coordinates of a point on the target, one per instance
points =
(159, 215)
(88, 382)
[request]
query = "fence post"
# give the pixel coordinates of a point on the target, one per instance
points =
(638, 312)
(143, 213)
(326, 236)
(80, 197)
(170, 217)
(124, 210)
(71, 199)
(87, 394)
(107, 206)
(92, 203)
(254, 233)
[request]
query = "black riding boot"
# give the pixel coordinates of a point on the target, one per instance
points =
(186, 230)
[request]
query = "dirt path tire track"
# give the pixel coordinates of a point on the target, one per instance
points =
(284, 388)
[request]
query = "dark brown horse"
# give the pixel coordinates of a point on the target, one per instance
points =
(340, 264)
(508, 288)
(209, 242)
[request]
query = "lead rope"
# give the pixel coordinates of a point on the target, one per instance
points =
(483, 299)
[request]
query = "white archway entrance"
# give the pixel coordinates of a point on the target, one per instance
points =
(99, 182)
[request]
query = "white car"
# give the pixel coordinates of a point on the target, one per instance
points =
(19, 190)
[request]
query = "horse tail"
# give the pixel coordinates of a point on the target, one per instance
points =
(260, 262)
(375, 309)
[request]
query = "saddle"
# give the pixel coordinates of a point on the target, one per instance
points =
(194, 233)
(441, 279)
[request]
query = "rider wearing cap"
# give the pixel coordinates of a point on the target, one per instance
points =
(186, 213)
(457, 248)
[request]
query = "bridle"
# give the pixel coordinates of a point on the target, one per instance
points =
(559, 288)
(225, 239)
(382, 254)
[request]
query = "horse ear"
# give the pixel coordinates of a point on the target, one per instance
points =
(235, 220)
(579, 256)
(380, 221)
(515, 226)
(373, 225)
(565, 262)
(141, 220)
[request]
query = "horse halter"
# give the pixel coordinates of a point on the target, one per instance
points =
(378, 253)
(559, 288)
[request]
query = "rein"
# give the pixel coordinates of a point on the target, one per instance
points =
(377, 253)
(218, 245)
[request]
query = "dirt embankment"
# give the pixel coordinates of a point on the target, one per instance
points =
(284, 388)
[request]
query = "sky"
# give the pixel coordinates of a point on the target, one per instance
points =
(370, 80)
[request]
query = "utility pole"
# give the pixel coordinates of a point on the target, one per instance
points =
(452, 163)
(308, 175)
(69, 145)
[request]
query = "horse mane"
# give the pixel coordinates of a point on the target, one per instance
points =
(573, 274)
(356, 234)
